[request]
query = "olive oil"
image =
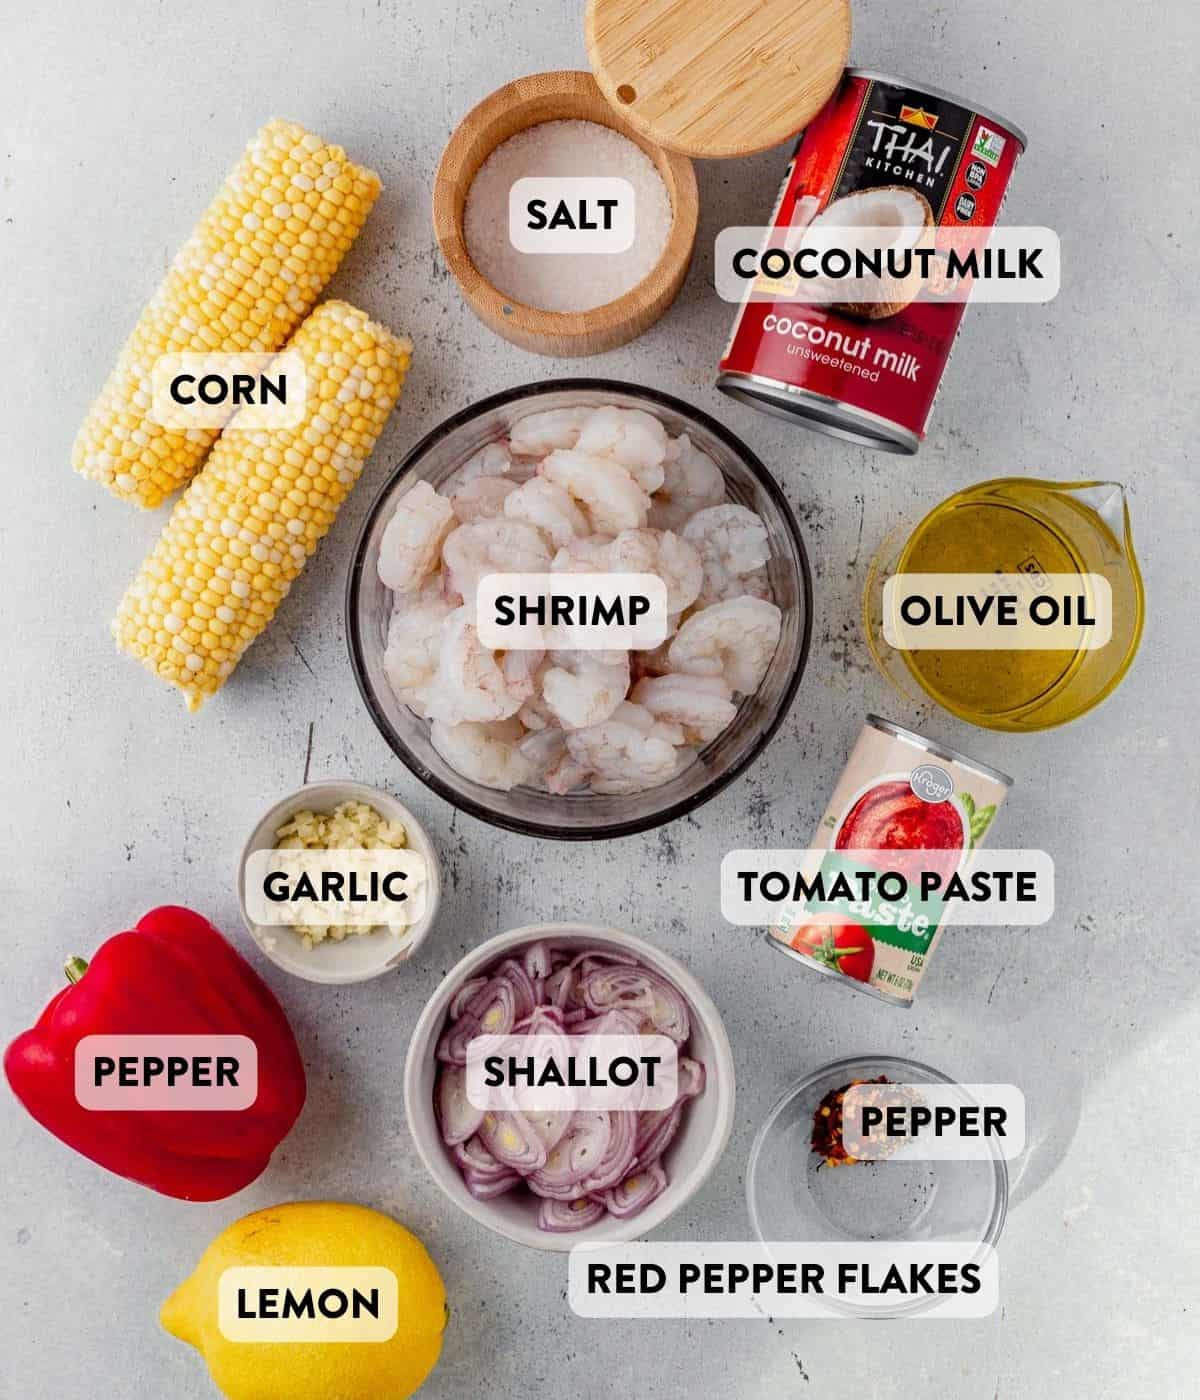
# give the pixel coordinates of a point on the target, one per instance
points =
(1022, 528)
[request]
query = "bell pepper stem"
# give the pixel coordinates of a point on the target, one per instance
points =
(75, 967)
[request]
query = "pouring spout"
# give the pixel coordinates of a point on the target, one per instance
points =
(1109, 501)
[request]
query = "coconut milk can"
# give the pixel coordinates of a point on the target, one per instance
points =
(869, 373)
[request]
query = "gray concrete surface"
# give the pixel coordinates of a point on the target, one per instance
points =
(119, 121)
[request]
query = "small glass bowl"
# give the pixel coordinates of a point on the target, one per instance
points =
(582, 816)
(793, 1196)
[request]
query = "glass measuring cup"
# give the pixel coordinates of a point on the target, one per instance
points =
(1015, 526)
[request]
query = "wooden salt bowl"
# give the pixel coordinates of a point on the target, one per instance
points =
(545, 97)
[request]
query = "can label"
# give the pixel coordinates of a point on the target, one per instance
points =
(880, 361)
(895, 794)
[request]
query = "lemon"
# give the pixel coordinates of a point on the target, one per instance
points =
(315, 1234)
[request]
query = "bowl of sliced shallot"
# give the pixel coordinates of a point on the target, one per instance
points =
(579, 477)
(560, 1178)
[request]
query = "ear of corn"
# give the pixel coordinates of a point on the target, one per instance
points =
(244, 528)
(251, 271)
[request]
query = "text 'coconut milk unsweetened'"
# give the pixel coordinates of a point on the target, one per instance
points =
(870, 373)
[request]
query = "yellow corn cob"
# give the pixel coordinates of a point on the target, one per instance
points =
(251, 271)
(244, 528)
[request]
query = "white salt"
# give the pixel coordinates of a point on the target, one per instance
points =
(564, 281)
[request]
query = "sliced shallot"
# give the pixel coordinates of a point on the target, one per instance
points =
(561, 1217)
(581, 1165)
(465, 995)
(460, 1119)
(473, 1157)
(511, 1139)
(577, 1153)
(655, 1132)
(487, 1188)
(618, 1155)
(636, 1192)
(641, 990)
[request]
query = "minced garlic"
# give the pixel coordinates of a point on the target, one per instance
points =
(350, 826)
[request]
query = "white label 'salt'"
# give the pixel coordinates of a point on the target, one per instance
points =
(571, 214)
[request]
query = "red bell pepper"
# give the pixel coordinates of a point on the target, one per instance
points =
(172, 974)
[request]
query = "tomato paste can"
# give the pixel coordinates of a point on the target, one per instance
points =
(898, 791)
(871, 377)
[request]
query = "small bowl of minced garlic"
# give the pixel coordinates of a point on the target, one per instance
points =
(308, 827)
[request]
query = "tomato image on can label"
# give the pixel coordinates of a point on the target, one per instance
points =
(898, 792)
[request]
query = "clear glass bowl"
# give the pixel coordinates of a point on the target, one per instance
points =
(582, 816)
(793, 1196)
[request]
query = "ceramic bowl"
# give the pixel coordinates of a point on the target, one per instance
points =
(358, 957)
(689, 1159)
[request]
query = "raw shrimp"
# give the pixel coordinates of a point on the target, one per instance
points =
(535, 714)
(547, 506)
(520, 670)
(578, 491)
(755, 584)
(482, 498)
(616, 752)
(585, 687)
(499, 546)
(626, 786)
(692, 482)
(700, 705)
(470, 683)
(548, 753)
(414, 639)
(641, 719)
(544, 432)
(612, 499)
(413, 538)
(489, 461)
(587, 555)
(733, 544)
(660, 552)
(630, 436)
(485, 753)
(653, 663)
(735, 639)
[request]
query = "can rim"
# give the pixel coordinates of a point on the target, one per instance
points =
(848, 982)
(898, 731)
(795, 403)
(943, 95)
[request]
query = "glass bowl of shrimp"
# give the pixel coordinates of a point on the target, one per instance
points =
(579, 475)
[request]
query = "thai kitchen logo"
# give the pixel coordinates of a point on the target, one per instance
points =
(918, 116)
(912, 150)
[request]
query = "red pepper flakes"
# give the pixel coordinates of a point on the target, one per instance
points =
(827, 1124)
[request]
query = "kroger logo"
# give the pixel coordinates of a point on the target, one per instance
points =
(931, 783)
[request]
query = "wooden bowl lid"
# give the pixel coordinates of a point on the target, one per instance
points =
(714, 78)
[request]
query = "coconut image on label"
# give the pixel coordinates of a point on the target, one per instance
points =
(894, 219)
